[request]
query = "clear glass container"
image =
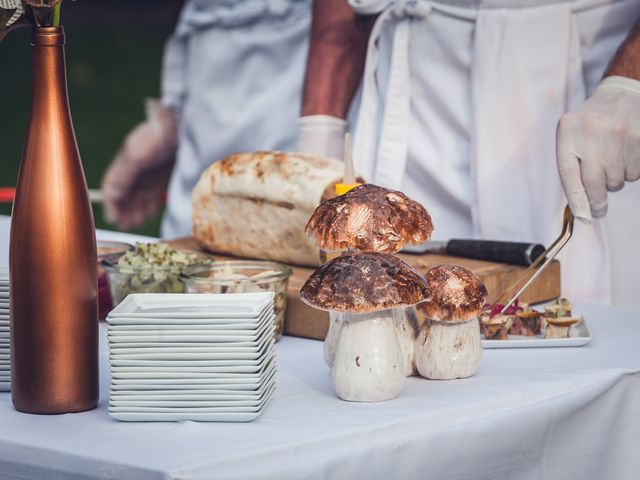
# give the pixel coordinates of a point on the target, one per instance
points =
(107, 251)
(126, 279)
(242, 276)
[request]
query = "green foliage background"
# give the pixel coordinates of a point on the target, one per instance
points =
(113, 62)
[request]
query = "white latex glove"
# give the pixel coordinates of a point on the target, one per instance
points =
(598, 146)
(134, 187)
(322, 135)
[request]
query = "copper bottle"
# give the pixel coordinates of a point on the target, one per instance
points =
(54, 327)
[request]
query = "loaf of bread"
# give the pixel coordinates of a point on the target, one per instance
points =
(257, 204)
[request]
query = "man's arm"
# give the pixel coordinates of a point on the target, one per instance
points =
(626, 62)
(596, 146)
(337, 52)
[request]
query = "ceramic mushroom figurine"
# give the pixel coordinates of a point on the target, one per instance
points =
(369, 218)
(370, 292)
(449, 344)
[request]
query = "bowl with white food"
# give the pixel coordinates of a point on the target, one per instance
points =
(242, 276)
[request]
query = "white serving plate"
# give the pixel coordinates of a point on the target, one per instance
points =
(188, 364)
(185, 354)
(580, 335)
(191, 401)
(182, 326)
(213, 392)
(211, 348)
(195, 329)
(222, 409)
(142, 345)
(192, 305)
(179, 386)
(182, 372)
(245, 381)
(145, 375)
(179, 417)
(252, 339)
(141, 323)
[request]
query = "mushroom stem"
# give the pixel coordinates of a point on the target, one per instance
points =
(446, 350)
(331, 340)
(368, 364)
(407, 332)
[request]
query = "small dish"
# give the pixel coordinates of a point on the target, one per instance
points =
(191, 306)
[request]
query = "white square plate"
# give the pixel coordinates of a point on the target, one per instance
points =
(182, 372)
(182, 326)
(216, 409)
(196, 329)
(192, 305)
(213, 392)
(245, 381)
(189, 363)
(579, 335)
(253, 338)
(204, 354)
(179, 417)
(188, 401)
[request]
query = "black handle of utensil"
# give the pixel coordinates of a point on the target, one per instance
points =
(516, 253)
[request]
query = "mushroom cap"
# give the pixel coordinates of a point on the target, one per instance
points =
(457, 294)
(369, 218)
(563, 321)
(363, 283)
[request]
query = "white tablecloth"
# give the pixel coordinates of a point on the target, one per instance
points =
(564, 413)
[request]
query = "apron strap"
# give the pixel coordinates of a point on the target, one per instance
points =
(384, 161)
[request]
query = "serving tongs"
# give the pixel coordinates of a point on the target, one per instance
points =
(543, 261)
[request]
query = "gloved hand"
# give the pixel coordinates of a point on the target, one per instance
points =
(135, 184)
(598, 146)
(322, 135)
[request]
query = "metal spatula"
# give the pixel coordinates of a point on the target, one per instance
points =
(531, 273)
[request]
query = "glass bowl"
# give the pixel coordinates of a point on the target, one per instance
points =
(145, 278)
(107, 251)
(242, 276)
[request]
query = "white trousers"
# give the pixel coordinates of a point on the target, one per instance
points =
(234, 70)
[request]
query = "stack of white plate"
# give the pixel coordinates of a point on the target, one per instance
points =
(5, 356)
(201, 357)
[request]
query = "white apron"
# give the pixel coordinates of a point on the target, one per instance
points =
(459, 108)
(234, 71)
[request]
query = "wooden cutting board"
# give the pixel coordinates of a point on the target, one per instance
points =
(304, 321)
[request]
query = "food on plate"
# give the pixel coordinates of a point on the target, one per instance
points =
(368, 292)
(150, 268)
(526, 322)
(496, 327)
(561, 308)
(369, 218)
(242, 276)
(449, 345)
(560, 327)
(257, 204)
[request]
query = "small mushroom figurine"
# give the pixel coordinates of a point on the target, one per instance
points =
(449, 344)
(369, 218)
(369, 291)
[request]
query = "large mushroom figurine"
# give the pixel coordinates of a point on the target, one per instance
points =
(449, 344)
(370, 218)
(368, 292)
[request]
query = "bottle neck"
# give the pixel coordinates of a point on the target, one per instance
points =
(49, 72)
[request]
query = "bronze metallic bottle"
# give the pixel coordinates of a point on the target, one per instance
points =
(54, 327)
